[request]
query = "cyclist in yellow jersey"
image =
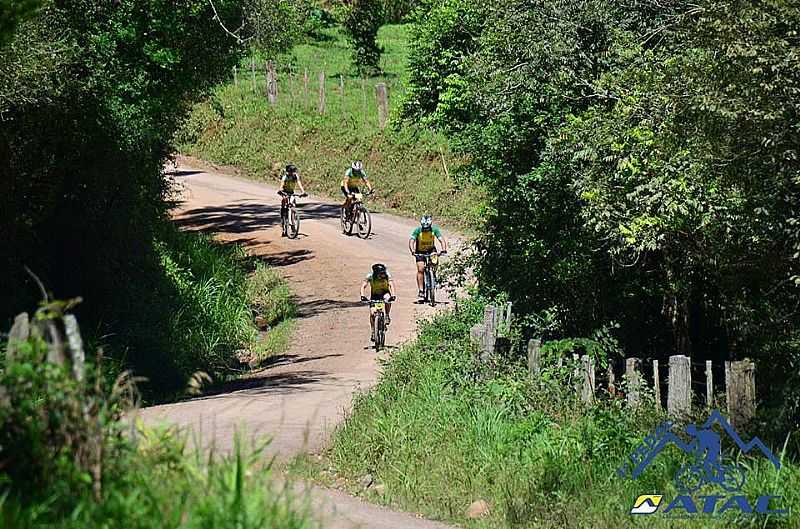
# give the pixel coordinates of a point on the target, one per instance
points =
(354, 178)
(380, 286)
(423, 241)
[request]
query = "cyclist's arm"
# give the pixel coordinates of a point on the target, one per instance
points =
(369, 184)
(347, 185)
(364, 287)
(391, 288)
(443, 242)
(412, 243)
(300, 185)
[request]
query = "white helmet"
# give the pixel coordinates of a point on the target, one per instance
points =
(426, 221)
(357, 166)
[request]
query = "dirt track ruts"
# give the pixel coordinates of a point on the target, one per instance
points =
(302, 394)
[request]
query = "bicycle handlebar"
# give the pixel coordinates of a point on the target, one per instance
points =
(372, 302)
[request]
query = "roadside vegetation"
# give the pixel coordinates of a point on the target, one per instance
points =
(73, 459)
(413, 170)
(441, 431)
(89, 113)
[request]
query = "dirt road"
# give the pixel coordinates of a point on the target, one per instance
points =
(303, 393)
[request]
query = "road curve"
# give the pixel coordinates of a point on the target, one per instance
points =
(302, 394)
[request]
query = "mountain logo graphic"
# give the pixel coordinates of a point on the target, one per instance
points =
(705, 445)
(646, 504)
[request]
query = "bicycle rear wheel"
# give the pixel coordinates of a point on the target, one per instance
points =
(294, 223)
(344, 220)
(363, 221)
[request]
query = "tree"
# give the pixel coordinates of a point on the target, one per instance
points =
(361, 20)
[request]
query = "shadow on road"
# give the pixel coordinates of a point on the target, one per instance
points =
(314, 307)
(279, 383)
(248, 216)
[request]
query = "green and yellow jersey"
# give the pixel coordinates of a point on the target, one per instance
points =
(352, 179)
(426, 239)
(379, 285)
(288, 183)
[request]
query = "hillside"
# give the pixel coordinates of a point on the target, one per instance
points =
(413, 170)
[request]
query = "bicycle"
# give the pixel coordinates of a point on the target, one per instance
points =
(429, 275)
(693, 476)
(358, 216)
(377, 308)
(290, 219)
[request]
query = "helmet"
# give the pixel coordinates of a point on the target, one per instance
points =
(379, 269)
(426, 221)
(291, 168)
(357, 166)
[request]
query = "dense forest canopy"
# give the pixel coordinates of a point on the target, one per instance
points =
(643, 162)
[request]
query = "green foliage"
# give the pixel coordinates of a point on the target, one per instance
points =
(70, 461)
(361, 20)
(440, 432)
(89, 114)
(238, 126)
(274, 26)
(12, 12)
(642, 162)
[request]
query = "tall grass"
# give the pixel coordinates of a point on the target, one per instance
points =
(413, 170)
(440, 431)
(71, 460)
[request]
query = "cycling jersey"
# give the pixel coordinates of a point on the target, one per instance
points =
(288, 183)
(379, 286)
(352, 179)
(426, 239)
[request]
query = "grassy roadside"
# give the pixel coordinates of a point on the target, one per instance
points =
(225, 309)
(439, 432)
(73, 460)
(413, 171)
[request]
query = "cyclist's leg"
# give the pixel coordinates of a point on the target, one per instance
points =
(388, 309)
(420, 273)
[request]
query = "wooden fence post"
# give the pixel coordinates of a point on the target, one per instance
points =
(587, 389)
(383, 104)
(679, 386)
(235, 76)
(490, 326)
(364, 100)
(611, 381)
(272, 83)
(740, 382)
(321, 92)
(657, 384)
(633, 381)
(709, 386)
(305, 83)
(534, 357)
(253, 72)
(341, 85)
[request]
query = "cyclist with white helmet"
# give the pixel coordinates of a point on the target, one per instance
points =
(354, 178)
(423, 242)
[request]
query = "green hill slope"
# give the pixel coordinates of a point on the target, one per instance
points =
(412, 170)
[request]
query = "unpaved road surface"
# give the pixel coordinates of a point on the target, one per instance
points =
(302, 394)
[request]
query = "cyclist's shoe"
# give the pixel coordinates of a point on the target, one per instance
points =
(421, 294)
(388, 320)
(283, 234)
(372, 337)
(364, 299)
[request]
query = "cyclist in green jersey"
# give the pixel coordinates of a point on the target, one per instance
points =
(354, 178)
(423, 241)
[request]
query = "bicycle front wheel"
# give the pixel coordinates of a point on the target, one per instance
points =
(294, 223)
(380, 331)
(431, 287)
(363, 222)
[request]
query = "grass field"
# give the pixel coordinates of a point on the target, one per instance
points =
(412, 170)
(439, 432)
